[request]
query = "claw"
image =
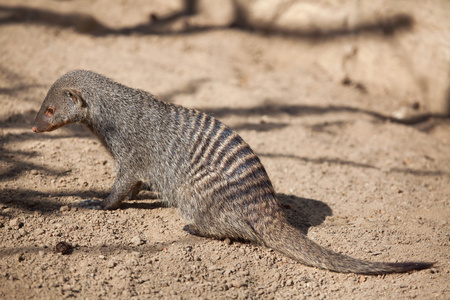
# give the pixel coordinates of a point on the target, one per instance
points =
(91, 204)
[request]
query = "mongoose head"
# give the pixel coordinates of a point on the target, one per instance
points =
(63, 104)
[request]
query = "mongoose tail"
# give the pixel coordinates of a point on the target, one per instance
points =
(294, 244)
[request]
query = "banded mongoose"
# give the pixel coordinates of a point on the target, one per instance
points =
(198, 164)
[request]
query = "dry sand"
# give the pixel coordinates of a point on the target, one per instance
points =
(350, 176)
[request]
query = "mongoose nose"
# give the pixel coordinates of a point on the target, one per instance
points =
(34, 129)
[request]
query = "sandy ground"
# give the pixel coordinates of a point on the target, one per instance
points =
(350, 176)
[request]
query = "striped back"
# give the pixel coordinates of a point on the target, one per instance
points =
(219, 160)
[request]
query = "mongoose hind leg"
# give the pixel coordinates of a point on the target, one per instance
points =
(214, 234)
(192, 229)
(195, 230)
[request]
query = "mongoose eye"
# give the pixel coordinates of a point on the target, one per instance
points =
(50, 112)
(69, 94)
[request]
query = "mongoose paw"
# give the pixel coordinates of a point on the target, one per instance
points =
(91, 204)
(192, 229)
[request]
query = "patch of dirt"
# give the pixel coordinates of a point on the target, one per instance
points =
(349, 175)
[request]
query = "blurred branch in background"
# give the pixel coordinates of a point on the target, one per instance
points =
(160, 24)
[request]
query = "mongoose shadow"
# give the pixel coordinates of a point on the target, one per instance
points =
(30, 200)
(142, 200)
(303, 213)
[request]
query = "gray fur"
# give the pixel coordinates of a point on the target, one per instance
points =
(198, 164)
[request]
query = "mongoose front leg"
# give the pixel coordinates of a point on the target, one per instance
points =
(123, 186)
(135, 190)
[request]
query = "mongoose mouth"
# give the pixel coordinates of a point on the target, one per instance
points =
(47, 129)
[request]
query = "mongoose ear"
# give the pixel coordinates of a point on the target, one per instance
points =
(76, 97)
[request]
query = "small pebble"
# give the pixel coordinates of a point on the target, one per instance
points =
(66, 287)
(238, 283)
(227, 241)
(64, 248)
(76, 288)
(15, 223)
(64, 208)
(33, 172)
(159, 247)
(39, 231)
(137, 241)
(273, 288)
(137, 254)
(111, 264)
(229, 271)
(277, 276)
(213, 268)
